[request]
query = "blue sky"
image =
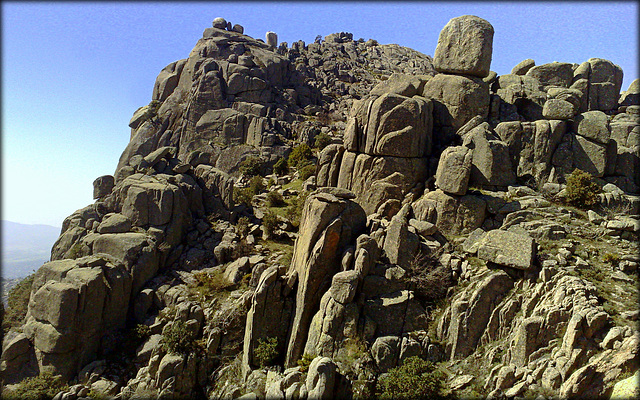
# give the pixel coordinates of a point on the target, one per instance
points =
(74, 73)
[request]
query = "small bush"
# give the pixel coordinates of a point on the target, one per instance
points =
(141, 332)
(245, 195)
(266, 352)
(152, 112)
(281, 167)
(178, 339)
(415, 379)
(581, 191)
(307, 171)
(429, 280)
(210, 283)
(256, 186)
(294, 210)
(242, 196)
(242, 227)
(305, 362)
(270, 223)
(610, 258)
(41, 387)
(322, 141)
(17, 303)
(275, 199)
(300, 155)
(251, 166)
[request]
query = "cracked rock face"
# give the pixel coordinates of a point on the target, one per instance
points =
(435, 228)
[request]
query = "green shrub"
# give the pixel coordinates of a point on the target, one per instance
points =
(210, 282)
(275, 199)
(305, 362)
(141, 332)
(152, 112)
(41, 387)
(300, 155)
(178, 339)
(242, 196)
(581, 191)
(294, 210)
(256, 186)
(242, 226)
(266, 351)
(307, 171)
(322, 141)
(415, 379)
(611, 258)
(251, 166)
(270, 223)
(17, 303)
(281, 167)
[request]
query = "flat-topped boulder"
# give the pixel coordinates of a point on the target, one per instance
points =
(509, 249)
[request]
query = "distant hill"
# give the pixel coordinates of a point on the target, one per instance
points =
(25, 247)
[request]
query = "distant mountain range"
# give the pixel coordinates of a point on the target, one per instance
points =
(25, 247)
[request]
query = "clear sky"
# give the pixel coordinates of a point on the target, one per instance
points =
(74, 73)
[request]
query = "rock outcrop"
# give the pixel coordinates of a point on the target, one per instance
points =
(434, 225)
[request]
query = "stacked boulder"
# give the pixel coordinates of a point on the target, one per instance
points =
(459, 92)
(386, 146)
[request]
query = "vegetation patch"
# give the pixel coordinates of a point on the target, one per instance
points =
(281, 167)
(179, 339)
(581, 191)
(242, 226)
(266, 351)
(245, 195)
(286, 249)
(300, 156)
(305, 362)
(294, 210)
(275, 199)
(42, 387)
(270, 223)
(415, 379)
(17, 303)
(251, 166)
(210, 285)
(428, 279)
(307, 171)
(322, 141)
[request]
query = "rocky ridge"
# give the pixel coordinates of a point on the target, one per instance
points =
(438, 229)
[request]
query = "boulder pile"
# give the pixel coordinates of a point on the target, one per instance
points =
(441, 220)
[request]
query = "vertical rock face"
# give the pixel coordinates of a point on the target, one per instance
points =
(386, 145)
(268, 317)
(391, 125)
(457, 99)
(465, 46)
(469, 318)
(329, 223)
(73, 302)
